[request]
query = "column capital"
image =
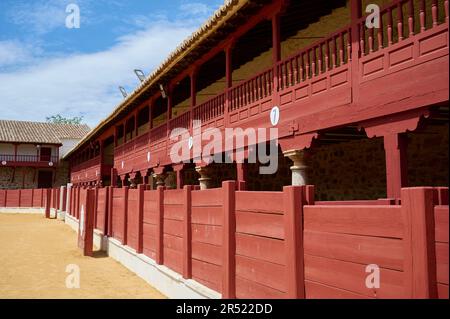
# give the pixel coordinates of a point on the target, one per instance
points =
(299, 167)
(204, 179)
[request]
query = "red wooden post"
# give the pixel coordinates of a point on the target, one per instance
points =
(229, 240)
(159, 224)
(42, 197)
(276, 51)
(241, 174)
(86, 224)
(293, 229)
(125, 216)
(356, 12)
(110, 211)
(396, 168)
(95, 206)
(78, 203)
(64, 198)
(140, 219)
(32, 197)
(47, 202)
(309, 194)
(420, 254)
(113, 177)
(187, 238)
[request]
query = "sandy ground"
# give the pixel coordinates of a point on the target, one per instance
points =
(34, 254)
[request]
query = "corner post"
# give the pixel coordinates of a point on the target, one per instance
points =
(229, 240)
(420, 256)
(159, 224)
(293, 229)
(140, 219)
(187, 238)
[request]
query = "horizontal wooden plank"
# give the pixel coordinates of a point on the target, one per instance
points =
(380, 221)
(133, 194)
(150, 218)
(262, 272)
(209, 273)
(207, 215)
(173, 259)
(173, 227)
(315, 290)
(173, 242)
(385, 252)
(173, 212)
(173, 196)
(247, 289)
(263, 248)
(268, 202)
(441, 223)
(207, 252)
(150, 195)
(207, 197)
(442, 263)
(267, 225)
(207, 234)
(352, 277)
(442, 291)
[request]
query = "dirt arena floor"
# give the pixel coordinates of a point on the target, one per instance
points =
(35, 253)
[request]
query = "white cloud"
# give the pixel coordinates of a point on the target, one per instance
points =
(86, 84)
(12, 52)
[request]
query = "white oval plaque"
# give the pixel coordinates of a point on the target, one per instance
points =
(123, 164)
(275, 115)
(3, 162)
(190, 142)
(148, 157)
(50, 164)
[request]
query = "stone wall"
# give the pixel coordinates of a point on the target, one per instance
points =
(27, 177)
(428, 156)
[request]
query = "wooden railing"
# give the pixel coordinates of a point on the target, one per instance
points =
(316, 59)
(181, 121)
(401, 20)
(252, 90)
(28, 158)
(210, 109)
(159, 132)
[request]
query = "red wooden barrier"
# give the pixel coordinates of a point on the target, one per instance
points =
(86, 225)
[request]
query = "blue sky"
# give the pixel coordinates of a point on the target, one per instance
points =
(46, 68)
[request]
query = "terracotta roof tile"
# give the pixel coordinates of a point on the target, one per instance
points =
(38, 132)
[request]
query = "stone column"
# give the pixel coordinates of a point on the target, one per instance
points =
(299, 167)
(205, 181)
(160, 179)
(132, 180)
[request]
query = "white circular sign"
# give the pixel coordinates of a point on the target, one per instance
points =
(148, 156)
(3, 162)
(190, 142)
(275, 115)
(50, 164)
(82, 220)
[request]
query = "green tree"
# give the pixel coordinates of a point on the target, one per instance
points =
(58, 119)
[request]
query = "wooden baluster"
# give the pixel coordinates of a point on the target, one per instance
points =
(313, 62)
(319, 60)
(327, 52)
(370, 39)
(446, 10)
(411, 18)
(389, 27)
(333, 52)
(301, 78)
(296, 70)
(307, 76)
(434, 12)
(422, 16)
(290, 82)
(284, 71)
(380, 33)
(362, 45)
(341, 48)
(349, 45)
(400, 21)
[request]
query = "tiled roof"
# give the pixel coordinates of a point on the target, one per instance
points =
(37, 132)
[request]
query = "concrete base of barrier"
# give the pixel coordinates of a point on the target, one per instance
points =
(21, 210)
(168, 282)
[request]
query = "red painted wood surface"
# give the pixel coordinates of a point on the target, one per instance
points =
(231, 242)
